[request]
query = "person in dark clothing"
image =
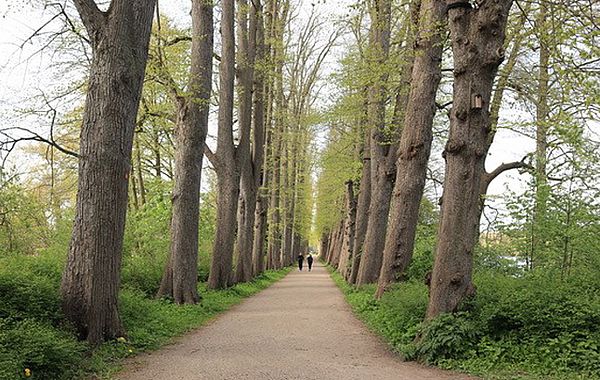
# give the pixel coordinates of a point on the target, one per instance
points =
(300, 261)
(309, 261)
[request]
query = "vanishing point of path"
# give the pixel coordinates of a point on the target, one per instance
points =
(299, 328)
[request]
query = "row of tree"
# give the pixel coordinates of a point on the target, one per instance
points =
(387, 119)
(146, 120)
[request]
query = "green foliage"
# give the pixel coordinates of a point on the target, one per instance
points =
(530, 327)
(48, 352)
(147, 238)
(449, 336)
(25, 294)
(338, 164)
(33, 334)
(23, 225)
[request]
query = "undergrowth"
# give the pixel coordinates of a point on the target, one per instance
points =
(36, 343)
(515, 328)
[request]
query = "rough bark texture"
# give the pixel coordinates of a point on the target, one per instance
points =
(477, 44)
(415, 144)
(90, 283)
(180, 278)
(350, 227)
(382, 160)
(260, 163)
(274, 255)
(362, 211)
(250, 169)
(227, 168)
(504, 74)
(541, 137)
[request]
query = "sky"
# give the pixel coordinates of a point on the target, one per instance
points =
(26, 72)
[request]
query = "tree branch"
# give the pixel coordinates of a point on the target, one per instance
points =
(489, 177)
(12, 141)
(90, 14)
(212, 157)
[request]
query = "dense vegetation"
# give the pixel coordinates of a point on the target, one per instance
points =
(33, 332)
(516, 328)
(108, 206)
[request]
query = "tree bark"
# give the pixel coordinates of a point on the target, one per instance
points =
(350, 227)
(324, 246)
(90, 282)
(382, 156)
(541, 137)
(138, 154)
(226, 165)
(477, 45)
(180, 278)
(362, 210)
(415, 144)
(250, 164)
(496, 103)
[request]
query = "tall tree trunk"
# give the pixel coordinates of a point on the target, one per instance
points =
(477, 45)
(362, 210)
(498, 94)
(250, 171)
(263, 99)
(156, 147)
(324, 246)
(134, 196)
(348, 239)
(290, 190)
(90, 282)
(274, 256)
(382, 155)
(541, 137)
(180, 278)
(226, 158)
(260, 224)
(415, 143)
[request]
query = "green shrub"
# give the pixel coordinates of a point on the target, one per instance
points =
(449, 336)
(529, 327)
(25, 294)
(48, 352)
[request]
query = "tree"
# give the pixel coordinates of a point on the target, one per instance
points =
(382, 145)
(477, 37)
(180, 277)
(90, 284)
(226, 159)
(415, 144)
(251, 156)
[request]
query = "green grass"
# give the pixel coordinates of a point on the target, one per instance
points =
(515, 328)
(34, 335)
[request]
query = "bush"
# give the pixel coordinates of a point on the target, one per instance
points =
(449, 336)
(25, 293)
(47, 352)
(536, 326)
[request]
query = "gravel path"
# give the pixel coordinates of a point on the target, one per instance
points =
(299, 328)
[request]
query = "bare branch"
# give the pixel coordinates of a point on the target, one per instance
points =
(212, 157)
(11, 141)
(489, 177)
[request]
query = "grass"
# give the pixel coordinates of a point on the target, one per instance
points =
(516, 328)
(36, 342)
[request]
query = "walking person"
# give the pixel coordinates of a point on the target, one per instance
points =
(309, 261)
(300, 261)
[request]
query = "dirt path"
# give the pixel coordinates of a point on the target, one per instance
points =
(299, 328)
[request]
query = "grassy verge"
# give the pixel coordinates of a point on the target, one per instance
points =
(35, 342)
(514, 329)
